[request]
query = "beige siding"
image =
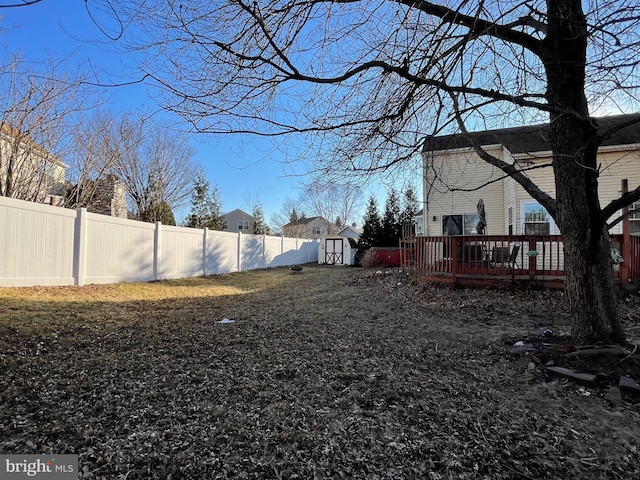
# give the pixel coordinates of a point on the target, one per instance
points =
(462, 169)
(543, 178)
(510, 187)
(615, 167)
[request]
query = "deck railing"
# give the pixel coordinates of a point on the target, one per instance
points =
(489, 259)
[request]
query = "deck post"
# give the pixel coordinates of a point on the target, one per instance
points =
(454, 259)
(533, 259)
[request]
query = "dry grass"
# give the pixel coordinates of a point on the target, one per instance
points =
(331, 373)
(46, 311)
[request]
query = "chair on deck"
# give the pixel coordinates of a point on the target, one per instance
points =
(500, 256)
(512, 259)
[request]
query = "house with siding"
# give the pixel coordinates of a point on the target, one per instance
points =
(312, 227)
(27, 170)
(237, 221)
(106, 195)
(456, 178)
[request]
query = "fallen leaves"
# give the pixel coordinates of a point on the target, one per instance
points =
(342, 374)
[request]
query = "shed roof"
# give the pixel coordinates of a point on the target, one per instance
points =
(535, 138)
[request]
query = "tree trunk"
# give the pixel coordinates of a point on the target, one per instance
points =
(588, 265)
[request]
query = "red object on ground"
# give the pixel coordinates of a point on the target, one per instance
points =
(386, 256)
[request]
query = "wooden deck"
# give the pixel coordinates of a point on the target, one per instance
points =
(491, 260)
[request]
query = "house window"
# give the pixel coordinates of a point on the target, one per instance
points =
(225, 224)
(316, 230)
(537, 220)
(634, 219)
(463, 224)
(510, 220)
(242, 225)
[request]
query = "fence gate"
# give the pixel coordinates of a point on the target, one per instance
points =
(333, 251)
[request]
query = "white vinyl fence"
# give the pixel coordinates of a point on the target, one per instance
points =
(45, 245)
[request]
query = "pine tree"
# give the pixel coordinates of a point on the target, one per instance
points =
(293, 218)
(206, 207)
(410, 209)
(259, 225)
(372, 227)
(391, 227)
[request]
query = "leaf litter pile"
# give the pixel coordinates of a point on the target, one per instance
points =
(327, 373)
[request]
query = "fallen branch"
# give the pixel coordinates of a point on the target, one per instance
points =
(630, 355)
(592, 352)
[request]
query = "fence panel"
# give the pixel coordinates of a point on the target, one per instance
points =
(307, 250)
(222, 252)
(45, 245)
(181, 252)
(252, 248)
(118, 250)
(36, 244)
(291, 253)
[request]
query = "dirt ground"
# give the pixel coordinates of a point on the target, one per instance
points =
(330, 373)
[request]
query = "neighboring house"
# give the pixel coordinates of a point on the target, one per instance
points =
(312, 227)
(451, 163)
(237, 221)
(350, 231)
(107, 196)
(27, 170)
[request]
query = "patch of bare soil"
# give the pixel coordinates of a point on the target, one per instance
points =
(330, 373)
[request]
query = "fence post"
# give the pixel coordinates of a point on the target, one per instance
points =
(79, 247)
(239, 251)
(264, 250)
(156, 251)
(205, 241)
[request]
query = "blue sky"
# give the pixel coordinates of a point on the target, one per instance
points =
(242, 167)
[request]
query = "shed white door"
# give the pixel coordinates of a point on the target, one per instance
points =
(333, 251)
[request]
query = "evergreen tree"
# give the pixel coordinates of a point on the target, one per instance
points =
(410, 209)
(372, 227)
(158, 212)
(259, 225)
(391, 227)
(206, 207)
(293, 218)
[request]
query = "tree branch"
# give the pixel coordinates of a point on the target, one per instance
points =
(619, 203)
(478, 26)
(531, 188)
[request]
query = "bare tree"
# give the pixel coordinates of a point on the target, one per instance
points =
(99, 141)
(372, 79)
(153, 162)
(39, 106)
(290, 212)
(156, 165)
(335, 202)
